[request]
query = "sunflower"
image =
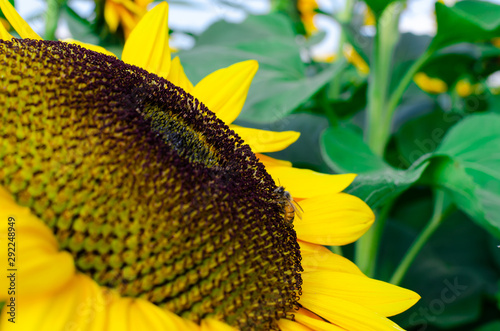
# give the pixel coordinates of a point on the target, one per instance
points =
(307, 10)
(131, 205)
(126, 13)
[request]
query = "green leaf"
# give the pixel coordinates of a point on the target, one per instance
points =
(453, 272)
(492, 326)
(422, 135)
(345, 152)
(282, 82)
(467, 165)
(378, 6)
(467, 21)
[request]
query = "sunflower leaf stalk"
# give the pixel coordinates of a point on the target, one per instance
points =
(439, 215)
(379, 118)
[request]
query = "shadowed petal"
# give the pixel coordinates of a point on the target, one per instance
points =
(317, 257)
(38, 250)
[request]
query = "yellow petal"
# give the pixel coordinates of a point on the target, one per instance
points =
(36, 252)
(263, 141)
(384, 298)
(119, 315)
(215, 325)
(178, 77)
(147, 45)
(94, 48)
(287, 325)
(20, 25)
(224, 91)
(308, 319)
(333, 219)
(147, 316)
(4, 34)
(317, 257)
(111, 16)
(78, 305)
(271, 162)
(430, 84)
(346, 314)
(304, 183)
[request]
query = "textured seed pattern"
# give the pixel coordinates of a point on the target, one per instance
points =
(144, 186)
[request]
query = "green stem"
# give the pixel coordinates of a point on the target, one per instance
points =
(344, 17)
(436, 219)
(378, 119)
(367, 246)
(405, 81)
(52, 18)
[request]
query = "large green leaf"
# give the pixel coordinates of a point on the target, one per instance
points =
(453, 272)
(282, 82)
(467, 21)
(422, 135)
(345, 152)
(467, 165)
(378, 6)
(492, 326)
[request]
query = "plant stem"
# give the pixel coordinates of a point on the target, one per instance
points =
(367, 246)
(378, 119)
(52, 18)
(405, 81)
(344, 17)
(411, 254)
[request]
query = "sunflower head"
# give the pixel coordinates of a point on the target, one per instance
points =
(150, 193)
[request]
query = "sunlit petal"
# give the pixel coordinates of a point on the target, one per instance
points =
(17, 22)
(224, 91)
(147, 46)
(264, 141)
(178, 77)
(383, 298)
(333, 219)
(272, 162)
(346, 314)
(304, 183)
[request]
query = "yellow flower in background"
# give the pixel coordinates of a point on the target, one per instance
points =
(355, 59)
(430, 84)
(307, 10)
(464, 88)
(126, 13)
(495, 42)
(369, 17)
(135, 207)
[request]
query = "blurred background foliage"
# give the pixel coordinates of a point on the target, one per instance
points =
(417, 116)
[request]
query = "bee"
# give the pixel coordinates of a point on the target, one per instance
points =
(290, 207)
